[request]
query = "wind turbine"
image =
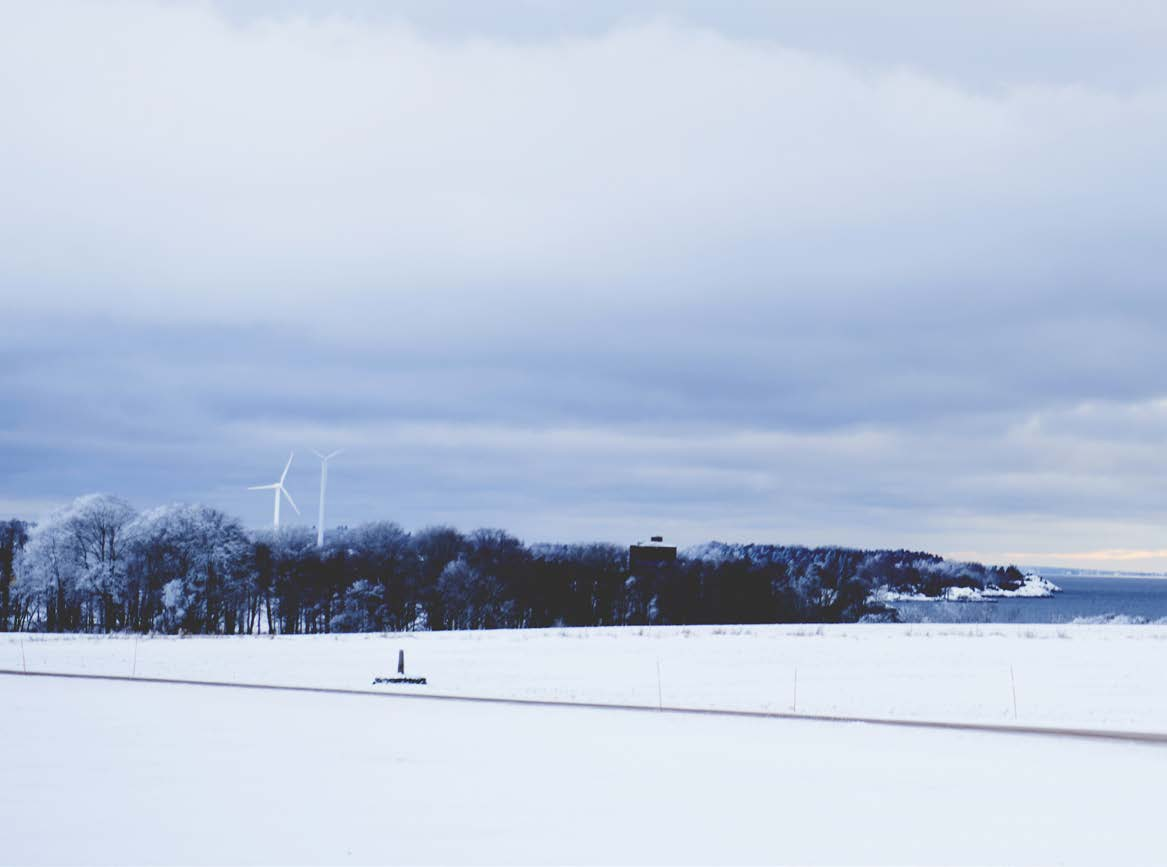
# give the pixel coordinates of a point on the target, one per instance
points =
(324, 459)
(279, 488)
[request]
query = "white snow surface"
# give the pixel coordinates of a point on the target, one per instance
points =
(1103, 676)
(122, 772)
(125, 773)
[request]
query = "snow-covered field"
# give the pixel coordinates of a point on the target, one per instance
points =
(1090, 676)
(118, 772)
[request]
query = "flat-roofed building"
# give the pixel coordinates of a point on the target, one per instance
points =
(651, 554)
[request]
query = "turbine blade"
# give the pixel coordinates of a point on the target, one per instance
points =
(334, 454)
(290, 500)
(262, 487)
(284, 474)
(319, 455)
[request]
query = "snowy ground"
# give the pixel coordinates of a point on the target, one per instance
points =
(1089, 676)
(103, 773)
(120, 772)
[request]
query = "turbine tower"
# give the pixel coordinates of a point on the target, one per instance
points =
(324, 459)
(279, 488)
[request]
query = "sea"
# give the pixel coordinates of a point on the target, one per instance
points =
(1082, 600)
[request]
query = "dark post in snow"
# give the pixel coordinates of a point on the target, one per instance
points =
(401, 678)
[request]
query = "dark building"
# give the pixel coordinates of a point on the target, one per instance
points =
(652, 554)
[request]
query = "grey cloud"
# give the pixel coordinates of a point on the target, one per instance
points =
(986, 44)
(726, 274)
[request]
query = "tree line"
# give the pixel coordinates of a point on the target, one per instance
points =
(98, 565)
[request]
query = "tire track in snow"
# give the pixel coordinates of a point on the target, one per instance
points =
(992, 728)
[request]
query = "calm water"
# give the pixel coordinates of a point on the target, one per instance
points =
(1140, 599)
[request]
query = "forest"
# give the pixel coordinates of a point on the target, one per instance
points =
(99, 565)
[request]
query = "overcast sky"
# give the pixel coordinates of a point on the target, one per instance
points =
(829, 272)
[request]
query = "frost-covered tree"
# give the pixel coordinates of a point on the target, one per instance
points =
(383, 558)
(188, 569)
(73, 566)
(359, 609)
(96, 524)
(13, 537)
(433, 549)
(470, 598)
(287, 564)
(575, 585)
(45, 578)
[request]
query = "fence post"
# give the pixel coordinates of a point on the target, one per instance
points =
(1013, 686)
(660, 696)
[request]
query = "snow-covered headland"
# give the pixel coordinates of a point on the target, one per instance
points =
(1032, 586)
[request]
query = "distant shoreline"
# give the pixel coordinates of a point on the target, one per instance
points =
(1063, 572)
